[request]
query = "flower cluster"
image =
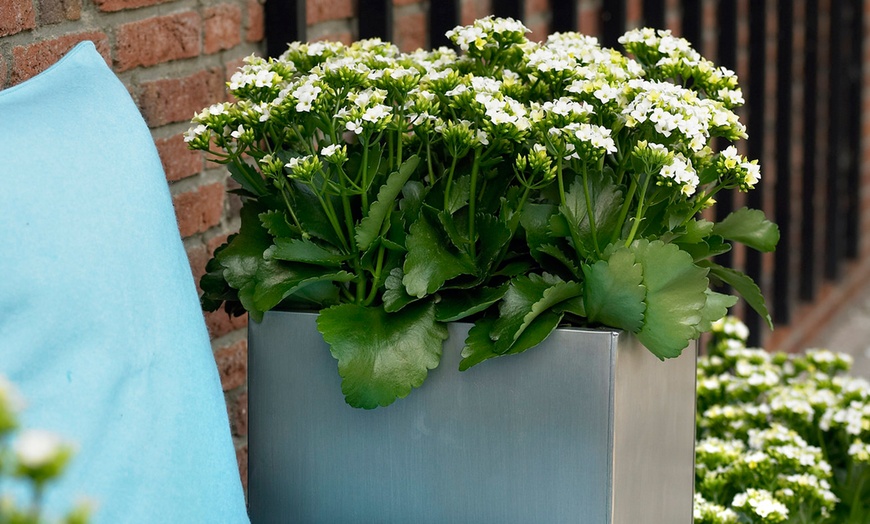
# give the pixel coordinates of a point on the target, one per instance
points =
(459, 185)
(780, 437)
(35, 459)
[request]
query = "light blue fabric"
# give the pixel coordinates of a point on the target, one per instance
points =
(100, 326)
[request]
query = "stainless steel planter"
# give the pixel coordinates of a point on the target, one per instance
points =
(588, 427)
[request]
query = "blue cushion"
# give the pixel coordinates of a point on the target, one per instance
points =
(100, 326)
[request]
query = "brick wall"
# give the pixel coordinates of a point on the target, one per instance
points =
(175, 56)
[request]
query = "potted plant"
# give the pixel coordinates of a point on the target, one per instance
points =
(513, 186)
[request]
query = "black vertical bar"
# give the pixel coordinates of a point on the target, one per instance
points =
(375, 18)
(654, 13)
(613, 15)
(284, 23)
(726, 55)
(855, 42)
(755, 129)
(809, 280)
(564, 16)
(509, 8)
(835, 230)
(783, 278)
(691, 22)
(444, 15)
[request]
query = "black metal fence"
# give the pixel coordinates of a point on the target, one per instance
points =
(802, 85)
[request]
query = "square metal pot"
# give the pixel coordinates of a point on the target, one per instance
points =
(587, 427)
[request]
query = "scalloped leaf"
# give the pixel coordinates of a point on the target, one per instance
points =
(676, 292)
(369, 228)
(614, 294)
(479, 346)
(276, 281)
(458, 304)
(716, 307)
(381, 356)
(606, 199)
(526, 299)
(276, 223)
(241, 259)
(743, 285)
(749, 227)
(302, 250)
(430, 262)
(395, 297)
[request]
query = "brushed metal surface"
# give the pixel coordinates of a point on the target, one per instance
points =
(573, 430)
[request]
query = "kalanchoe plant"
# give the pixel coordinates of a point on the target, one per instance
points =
(781, 437)
(517, 185)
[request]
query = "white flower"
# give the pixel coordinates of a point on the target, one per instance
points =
(330, 150)
(36, 448)
(195, 131)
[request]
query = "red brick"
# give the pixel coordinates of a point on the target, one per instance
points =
(239, 415)
(56, 11)
(2, 71)
(32, 59)
(321, 10)
(223, 26)
(219, 323)
(256, 22)
(177, 99)
(117, 5)
(242, 459)
(405, 2)
(537, 7)
(178, 161)
(198, 257)
(232, 363)
(16, 16)
(410, 32)
(158, 39)
(199, 209)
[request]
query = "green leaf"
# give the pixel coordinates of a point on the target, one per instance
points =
(458, 304)
(243, 256)
(526, 299)
(381, 356)
(459, 194)
(606, 199)
(749, 227)
(535, 220)
(301, 250)
(370, 226)
(614, 294)
(430, 261)
(716, 307)
(696, 231)
(312, 217)
(675, 295)
(395, 297)
(248, 177)
(742, 284)
(276, 281)
(479, 346)
(558, 254)
(493, 236)
(276, 223)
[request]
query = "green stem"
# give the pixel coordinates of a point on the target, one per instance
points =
(589, 210)
(290, 209)
(564, 202)
(639, 215)
(364, 185)
(449, 184)
(623, 212)
(700, 204)
(472, 202)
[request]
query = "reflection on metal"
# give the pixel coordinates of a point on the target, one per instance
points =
(587, 427)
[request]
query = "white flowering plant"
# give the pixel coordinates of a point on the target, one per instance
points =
(33, 459)
(781, 437)
(514, 184)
